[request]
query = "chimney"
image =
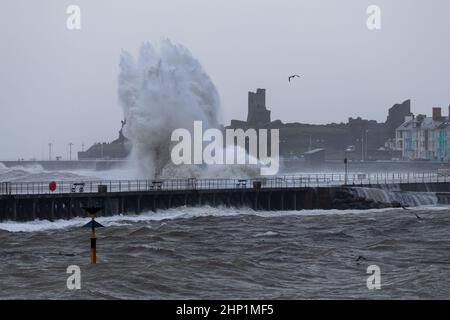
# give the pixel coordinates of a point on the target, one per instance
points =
(436, 113)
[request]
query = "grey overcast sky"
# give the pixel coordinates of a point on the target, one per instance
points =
(60, 86)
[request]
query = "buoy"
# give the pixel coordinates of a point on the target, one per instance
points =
(93, 225)
(52, 186)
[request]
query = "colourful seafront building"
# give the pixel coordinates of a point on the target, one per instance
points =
(424, 138)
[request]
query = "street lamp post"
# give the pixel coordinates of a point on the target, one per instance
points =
(362, 146)
(346, 169)
(50, 146)
(367, 143)
(70, 150)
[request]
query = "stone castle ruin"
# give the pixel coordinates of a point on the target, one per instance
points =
(258, 115)
(357, 139)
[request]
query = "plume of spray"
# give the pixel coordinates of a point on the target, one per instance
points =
(165, 89)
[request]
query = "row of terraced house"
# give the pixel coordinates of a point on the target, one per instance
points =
(425, 138)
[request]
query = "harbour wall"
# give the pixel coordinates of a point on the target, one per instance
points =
(66, 206)
(27, 207)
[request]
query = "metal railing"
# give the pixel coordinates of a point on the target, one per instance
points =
(287, 181)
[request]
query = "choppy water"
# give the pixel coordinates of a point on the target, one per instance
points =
(223, 253)
(36, 173)
(219, 253)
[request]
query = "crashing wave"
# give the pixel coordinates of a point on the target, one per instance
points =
(165, 89)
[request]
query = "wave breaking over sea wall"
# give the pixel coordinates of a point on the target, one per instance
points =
(165, 89)
(404, 198)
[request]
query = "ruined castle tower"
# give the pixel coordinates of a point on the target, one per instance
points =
(258, 115)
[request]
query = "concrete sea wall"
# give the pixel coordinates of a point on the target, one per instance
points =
(26, 207)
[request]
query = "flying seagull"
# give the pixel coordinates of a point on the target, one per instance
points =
(417, 216)
(293, 76)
